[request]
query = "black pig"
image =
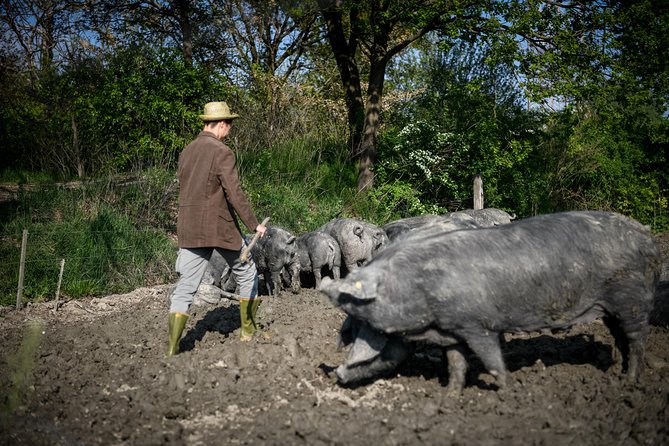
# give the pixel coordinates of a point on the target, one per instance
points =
(318, 250)
(274, 254)
(398, 229)
(452, 221)
(358, 240)
(466, 288)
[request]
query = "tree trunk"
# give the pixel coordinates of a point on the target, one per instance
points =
(376, 15)
(76, 149)
(186, 31)
(367, 149)
(344, 52)
(47, 43)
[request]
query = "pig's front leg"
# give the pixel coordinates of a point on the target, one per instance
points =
(486, 346)
(457, 369)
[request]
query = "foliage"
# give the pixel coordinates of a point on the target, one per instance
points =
(299, 184)
(557, 106)
(134, 111)
(605, 154)
(391, 201)
(597, 163)
(21, 177)
(104, 248)
(149, 199)
(429, 160)
(146, 101)
(466, 121)
(364, 38)
(641, 48)
(562, 54)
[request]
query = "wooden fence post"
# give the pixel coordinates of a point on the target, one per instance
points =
(478, 192)
(22, 269)
(60, 280)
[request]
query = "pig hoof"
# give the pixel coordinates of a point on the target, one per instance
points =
(500, 380)
(453, 391)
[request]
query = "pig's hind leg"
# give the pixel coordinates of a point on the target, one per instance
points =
(457, 368)
(627, 317)
(630, 337)
(486, 345)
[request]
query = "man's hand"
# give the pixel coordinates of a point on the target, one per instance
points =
(260, 232)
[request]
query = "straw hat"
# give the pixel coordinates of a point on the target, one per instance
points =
(217, 111)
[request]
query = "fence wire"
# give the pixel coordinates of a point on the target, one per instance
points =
(106, 257)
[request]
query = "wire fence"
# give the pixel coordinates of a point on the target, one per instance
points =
(40, 264)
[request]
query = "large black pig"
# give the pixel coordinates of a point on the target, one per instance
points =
(398, 229)
(485, 217)
(451, 221)
(465, 288)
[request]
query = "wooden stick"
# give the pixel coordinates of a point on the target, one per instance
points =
(22, 268)
(244, 257)
(231, 296)
(60, 280)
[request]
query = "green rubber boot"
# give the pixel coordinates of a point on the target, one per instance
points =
(263, 331)
(177, 322)
(247, 309)
(255, 303)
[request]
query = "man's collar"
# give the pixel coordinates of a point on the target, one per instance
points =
(208, 133)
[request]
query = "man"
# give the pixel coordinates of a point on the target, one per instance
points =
(210, 195)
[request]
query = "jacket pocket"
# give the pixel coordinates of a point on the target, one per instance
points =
(226, 230)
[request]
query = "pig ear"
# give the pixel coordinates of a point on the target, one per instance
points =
(291, 240)
(358, 230)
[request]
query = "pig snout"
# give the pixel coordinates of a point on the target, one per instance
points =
(373, 354)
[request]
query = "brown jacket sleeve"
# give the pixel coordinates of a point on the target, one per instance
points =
(226, 172)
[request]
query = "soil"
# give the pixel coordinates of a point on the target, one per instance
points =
(97, 374)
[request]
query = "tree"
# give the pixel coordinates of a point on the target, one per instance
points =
(41, 39)
(153, 20)
(376, 31)
(264, 46)
(265, 37)
(40, 33)
(557, 46)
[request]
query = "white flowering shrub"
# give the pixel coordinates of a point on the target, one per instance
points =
(430, 162)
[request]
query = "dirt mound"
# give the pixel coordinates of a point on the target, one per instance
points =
(95, 373)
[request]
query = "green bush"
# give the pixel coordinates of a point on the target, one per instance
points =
(299, 184)
(106, 248)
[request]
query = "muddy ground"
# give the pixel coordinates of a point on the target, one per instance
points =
(95, 374)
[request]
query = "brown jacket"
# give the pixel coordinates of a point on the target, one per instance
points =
(209, 196)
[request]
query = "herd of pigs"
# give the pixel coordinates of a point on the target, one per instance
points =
(463, 279)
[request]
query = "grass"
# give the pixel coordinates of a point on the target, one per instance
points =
(299, 185)
(110, 239)
(116, 237)
(24, 177)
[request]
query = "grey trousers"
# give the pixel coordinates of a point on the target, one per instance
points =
(191, 265)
